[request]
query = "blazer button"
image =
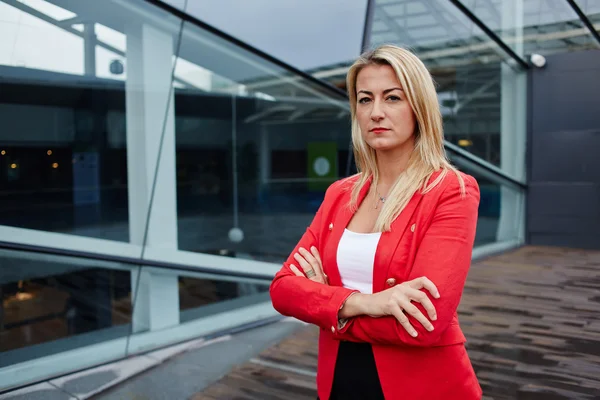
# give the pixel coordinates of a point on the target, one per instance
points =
(412, 227)
(390, 282)
(333, 329)
(331, 226)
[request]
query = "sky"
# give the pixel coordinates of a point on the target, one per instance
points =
(303, 33)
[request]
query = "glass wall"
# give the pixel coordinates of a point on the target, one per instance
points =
(473, 74)
(132, 136)
(254, 144)
(540, 26)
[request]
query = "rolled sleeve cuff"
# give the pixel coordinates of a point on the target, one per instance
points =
(338, 300)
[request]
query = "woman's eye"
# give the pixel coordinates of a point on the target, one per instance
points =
(393, 98)
(364, 100)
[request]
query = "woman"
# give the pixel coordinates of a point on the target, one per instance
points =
(382, 266)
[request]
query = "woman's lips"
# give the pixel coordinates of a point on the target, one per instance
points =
(379, 130)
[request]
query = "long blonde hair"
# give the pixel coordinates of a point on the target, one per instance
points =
(428, 155)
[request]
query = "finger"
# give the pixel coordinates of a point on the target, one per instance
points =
(314, 264)
(403, 319)
(306, 267)
(295, 270)
(317, 256)
(302, 262)
(422, 298)
(410, 309)
(424, 282)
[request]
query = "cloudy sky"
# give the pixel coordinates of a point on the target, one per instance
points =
(303, 33)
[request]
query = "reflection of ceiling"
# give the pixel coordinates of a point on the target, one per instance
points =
(463, 59)
(443, 36)
(206, 61)
(445, 39)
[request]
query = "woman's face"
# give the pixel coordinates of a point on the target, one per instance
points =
(384, 115)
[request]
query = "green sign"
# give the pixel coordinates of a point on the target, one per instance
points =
(322, 165)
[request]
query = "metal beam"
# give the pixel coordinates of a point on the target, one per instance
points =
(586, 21)
(66, 26)
(394, 25)
(368, 28)
(491, 34)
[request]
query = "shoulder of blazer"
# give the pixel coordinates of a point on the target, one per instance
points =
(340, 187)
(451, 183)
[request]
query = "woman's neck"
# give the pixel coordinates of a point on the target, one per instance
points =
(390, 165)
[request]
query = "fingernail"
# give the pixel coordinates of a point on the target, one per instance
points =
(434, 317)
(430, 328)
(413, 334)
(301, 248)
(437, 295)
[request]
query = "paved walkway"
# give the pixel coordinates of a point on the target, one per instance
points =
(531, 317)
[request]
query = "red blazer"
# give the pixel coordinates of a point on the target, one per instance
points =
(432, 237)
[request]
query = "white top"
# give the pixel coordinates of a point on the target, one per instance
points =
(355, 258)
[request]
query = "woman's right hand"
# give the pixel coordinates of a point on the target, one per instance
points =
(397, 301)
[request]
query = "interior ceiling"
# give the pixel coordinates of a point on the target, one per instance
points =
(462, 58)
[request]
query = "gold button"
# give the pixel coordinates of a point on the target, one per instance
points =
(412, 227)
(331, 226)
(333, 329)
(390, 282)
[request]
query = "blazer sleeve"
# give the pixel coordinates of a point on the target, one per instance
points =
(301, 298)
(444, 256)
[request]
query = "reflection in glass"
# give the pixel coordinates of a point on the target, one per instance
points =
(254, 145)
(472, 72)
(47, 301)
(539, 26)
(202, 297)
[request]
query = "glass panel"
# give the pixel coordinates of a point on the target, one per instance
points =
(68, 109)
(481, 89)
(254, 145)
(436, 30)
(542, 26)
(501, 206)
(591, 9)
(201, 296)
(51, 304)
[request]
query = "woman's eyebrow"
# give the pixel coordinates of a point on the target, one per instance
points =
(384, 92)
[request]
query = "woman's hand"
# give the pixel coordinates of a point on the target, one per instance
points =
(397, 301)
(311, 264)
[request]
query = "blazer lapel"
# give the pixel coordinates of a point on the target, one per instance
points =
(388, 243)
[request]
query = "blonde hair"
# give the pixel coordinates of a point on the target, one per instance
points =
(428, 155)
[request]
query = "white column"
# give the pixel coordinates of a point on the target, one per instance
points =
(149, 101)
(511, 225)
(89, 48)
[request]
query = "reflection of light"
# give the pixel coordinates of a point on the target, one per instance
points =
(465, 142)
(55, 165)
(264, 96)
(3, 152)
(49, 152)
(13, 166)
(49, 9)
(23, 296)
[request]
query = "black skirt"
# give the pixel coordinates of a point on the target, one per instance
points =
(355, 376)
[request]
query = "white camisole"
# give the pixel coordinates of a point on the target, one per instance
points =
(355, 258)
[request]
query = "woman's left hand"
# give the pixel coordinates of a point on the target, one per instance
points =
(311, 264)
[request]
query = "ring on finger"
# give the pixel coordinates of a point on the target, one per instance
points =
(310, 273)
